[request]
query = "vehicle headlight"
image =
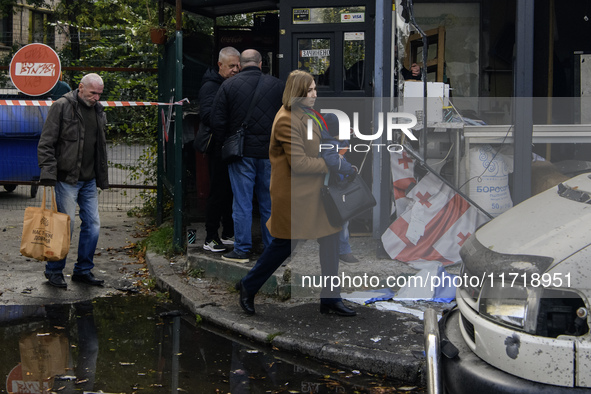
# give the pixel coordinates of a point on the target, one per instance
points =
(480, 261)
(507, 305)
(472, 289)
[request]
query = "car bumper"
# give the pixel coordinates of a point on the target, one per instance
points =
(467, 373)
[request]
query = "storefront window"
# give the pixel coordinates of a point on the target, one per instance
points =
(354, 60)
(314, 57)
(328, 15)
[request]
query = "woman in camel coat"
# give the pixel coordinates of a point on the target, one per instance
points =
(297, 212)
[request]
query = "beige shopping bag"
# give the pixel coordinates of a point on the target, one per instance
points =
(43, 356)
(46, 232)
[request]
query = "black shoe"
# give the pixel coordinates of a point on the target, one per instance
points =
(246, 302)
(56, 280)
(214, 245)
(236, 257)
(338, 307)
(348, 258)
(88, 279)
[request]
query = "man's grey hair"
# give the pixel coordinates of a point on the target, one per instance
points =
(92, 79)
(250, 57)
(226, 52)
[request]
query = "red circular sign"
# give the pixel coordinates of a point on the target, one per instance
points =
(35, 69)
(15, 383)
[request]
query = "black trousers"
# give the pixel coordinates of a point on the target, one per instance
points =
(219, 200)
(280, 249)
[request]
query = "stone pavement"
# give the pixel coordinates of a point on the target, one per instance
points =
(384, 342)
(22, 281)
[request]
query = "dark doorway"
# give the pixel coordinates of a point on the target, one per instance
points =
(331, 40)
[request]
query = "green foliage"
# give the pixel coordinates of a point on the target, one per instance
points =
(143, 170)
(196, 273)
(116, 34)
(4, 75)
(7, 6)
(160, 240)
(149, 283)
(163, 296)
(106, 33)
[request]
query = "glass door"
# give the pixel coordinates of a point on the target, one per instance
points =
(314, 54)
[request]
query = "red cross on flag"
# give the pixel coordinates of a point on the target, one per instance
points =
(403, 168)
(435, 223)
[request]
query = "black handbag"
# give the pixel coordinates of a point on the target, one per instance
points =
(346, 199)
(233, 147)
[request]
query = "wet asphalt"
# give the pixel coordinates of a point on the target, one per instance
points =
(388, 343)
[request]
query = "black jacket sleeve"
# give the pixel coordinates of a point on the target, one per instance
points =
(219, 116)
(206, 96)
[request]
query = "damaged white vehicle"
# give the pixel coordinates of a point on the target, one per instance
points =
(522, 324)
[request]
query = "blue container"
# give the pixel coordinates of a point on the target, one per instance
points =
(22, 121)
(18, 159)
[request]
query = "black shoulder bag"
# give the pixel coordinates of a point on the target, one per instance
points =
(346, 199)
(233, 147)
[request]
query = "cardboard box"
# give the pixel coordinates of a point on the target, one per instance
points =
(437, 100)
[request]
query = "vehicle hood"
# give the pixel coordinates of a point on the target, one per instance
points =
(544, 225)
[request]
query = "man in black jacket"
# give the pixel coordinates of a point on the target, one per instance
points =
(219, 200)
(252, 173)
(72, 154)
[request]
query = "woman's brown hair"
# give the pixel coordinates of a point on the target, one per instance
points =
(297, 85)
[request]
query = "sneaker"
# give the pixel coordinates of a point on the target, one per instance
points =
(228, 240)
(214, 246)
(348, 258)
(236, 257)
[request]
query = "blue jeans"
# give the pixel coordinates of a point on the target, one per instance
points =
(85, 195)
(248, 176)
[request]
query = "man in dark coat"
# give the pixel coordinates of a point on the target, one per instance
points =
(219, 201)
(72, 155)
(252, 173)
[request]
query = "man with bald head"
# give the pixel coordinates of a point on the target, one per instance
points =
(72, 154)
(252, 173)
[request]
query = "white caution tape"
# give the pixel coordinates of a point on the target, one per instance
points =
(47, 103)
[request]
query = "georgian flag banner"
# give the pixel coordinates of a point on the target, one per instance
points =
(433, 221)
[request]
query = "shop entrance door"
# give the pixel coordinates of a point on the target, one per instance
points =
(333, 43)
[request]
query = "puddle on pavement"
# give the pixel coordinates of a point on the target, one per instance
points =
(137, 344)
